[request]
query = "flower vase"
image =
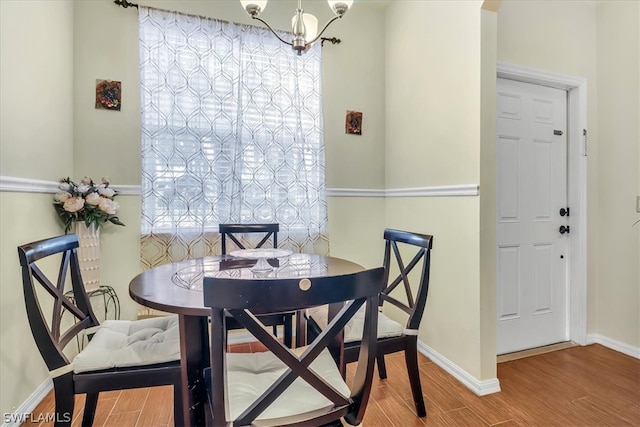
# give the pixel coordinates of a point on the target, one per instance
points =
(89, 255)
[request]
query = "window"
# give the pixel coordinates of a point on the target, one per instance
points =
(231, 132)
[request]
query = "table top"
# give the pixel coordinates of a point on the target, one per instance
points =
(177, 287)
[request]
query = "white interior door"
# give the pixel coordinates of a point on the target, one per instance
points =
(532, 258)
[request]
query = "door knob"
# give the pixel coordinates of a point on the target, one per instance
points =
(564, 212)
(564, 229)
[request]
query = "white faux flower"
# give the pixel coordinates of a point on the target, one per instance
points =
(64, 186)
(73, 204)
(93, 199)
(61, 197)
(82, 188)
(108, 206)
(106, 192)
(86, 180)
(106, 180)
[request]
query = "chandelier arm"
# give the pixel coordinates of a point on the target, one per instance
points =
(272, 30)
(317, 37)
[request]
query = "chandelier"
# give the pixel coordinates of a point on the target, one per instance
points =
(304, 25)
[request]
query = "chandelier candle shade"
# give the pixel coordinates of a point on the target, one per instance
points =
(304, 25)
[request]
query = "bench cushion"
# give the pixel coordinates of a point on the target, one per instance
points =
(353, 331)
(125, 343)
(250, 374)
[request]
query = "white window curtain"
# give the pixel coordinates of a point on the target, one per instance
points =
(231, 133)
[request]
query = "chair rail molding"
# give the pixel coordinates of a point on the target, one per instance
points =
(355, 192)
(12, 184)
(435, 191)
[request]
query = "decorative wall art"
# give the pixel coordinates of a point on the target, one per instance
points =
(108, 95)
(353, 123)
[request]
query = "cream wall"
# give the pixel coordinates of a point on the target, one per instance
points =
(52, 53)
(36, 124)
(432, 93)
(488, 46)
(359, 223)
(420, 72)
(618, 257)
(597, 41)
(36, 141)
(433, 99)
(353, 79)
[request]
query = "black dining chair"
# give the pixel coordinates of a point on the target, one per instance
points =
(120, 354)
(234, 233)
(392, 336)
(284, 387)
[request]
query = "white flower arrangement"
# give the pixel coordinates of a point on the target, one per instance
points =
(87, 202)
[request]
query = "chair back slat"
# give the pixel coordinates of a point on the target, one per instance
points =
(404, 307)
(231, 232)
(50, 337)
(246, 299)
(415, 303)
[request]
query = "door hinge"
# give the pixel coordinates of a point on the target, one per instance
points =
(584, 138)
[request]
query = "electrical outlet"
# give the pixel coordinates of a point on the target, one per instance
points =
(638, 204)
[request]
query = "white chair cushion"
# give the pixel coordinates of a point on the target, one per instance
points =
(123, 343)
(354, 329)
(250, 374)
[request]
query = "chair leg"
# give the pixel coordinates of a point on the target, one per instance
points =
(90, 404)
(64, 398)
(178, 413)
(411, 358)
(288, 330)
(382, 367)
(301, 329)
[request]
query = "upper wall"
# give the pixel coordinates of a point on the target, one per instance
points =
(557, 35)
(618, 298)
(432, 93)
(108, 142)
(36, 74)
(36, 141)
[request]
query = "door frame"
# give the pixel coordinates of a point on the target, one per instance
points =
(577, 143)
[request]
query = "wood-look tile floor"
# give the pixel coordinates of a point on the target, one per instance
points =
(578, 386)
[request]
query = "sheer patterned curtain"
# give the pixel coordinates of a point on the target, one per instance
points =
(231, 133)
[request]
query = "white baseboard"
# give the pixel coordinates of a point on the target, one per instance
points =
(614, 345)
(21, 413)
(480, 388)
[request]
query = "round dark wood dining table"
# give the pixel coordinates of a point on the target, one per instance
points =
(177, 288)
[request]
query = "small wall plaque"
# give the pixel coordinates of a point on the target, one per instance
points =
(353, 123)
(108, 95)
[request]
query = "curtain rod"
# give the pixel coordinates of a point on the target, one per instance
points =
(126, 4)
